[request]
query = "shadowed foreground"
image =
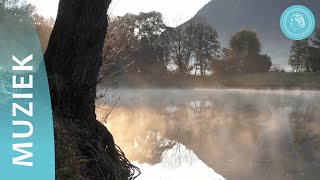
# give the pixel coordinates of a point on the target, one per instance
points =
(85, 149)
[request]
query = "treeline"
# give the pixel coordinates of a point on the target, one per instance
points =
(143, 44)
(305, 54)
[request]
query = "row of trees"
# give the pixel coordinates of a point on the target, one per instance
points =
(193, 46)
(149, 46)
(305, 54)
(143, 44)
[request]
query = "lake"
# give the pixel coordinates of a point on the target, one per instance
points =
(241, 134)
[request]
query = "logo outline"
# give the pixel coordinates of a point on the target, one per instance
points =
(303, 12)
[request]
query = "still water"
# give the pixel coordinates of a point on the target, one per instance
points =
(241, 134)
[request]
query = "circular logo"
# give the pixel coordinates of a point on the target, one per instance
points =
(297, 22)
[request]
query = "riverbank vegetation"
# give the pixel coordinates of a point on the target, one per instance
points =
(141, 51)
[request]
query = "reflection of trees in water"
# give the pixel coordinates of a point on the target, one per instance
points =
(199, 125)
(149, 148)
(178, 123)
(305, 128)
(292, 156)
(300, 118)
(245, 136)
(193, 123)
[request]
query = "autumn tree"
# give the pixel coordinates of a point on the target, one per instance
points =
(225, 63)
(180, 45)
(188, 45)
(119, 49)
(206, 45)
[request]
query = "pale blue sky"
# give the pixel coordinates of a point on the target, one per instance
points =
(175, 11)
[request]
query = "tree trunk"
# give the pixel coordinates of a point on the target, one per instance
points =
(73, 60)
(73, 57)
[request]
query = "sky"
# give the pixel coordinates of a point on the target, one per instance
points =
(175, 12)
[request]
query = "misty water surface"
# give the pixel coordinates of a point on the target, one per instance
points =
(241, 134)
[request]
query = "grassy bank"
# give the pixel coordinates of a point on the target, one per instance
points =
(270, 80)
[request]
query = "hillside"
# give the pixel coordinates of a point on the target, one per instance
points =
(230, 16)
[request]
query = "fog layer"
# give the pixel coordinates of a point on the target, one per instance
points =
(241, 134)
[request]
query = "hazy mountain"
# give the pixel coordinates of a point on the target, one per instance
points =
(262, 16)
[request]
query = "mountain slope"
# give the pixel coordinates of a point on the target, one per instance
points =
(262, 16)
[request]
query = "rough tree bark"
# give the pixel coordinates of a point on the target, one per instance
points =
(73, 60)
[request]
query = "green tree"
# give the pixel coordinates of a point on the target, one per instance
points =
(258, 63)
(148, 27)
(243, 55)
(245, 45)
(299, 53)
(145, 62)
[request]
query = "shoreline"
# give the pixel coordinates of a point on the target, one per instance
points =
(257, 81)
(213, 88)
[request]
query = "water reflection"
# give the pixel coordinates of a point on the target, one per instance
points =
(243, 135)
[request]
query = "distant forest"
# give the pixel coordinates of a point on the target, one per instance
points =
(142, 46)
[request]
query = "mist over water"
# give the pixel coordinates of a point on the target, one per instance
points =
(241, 134)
